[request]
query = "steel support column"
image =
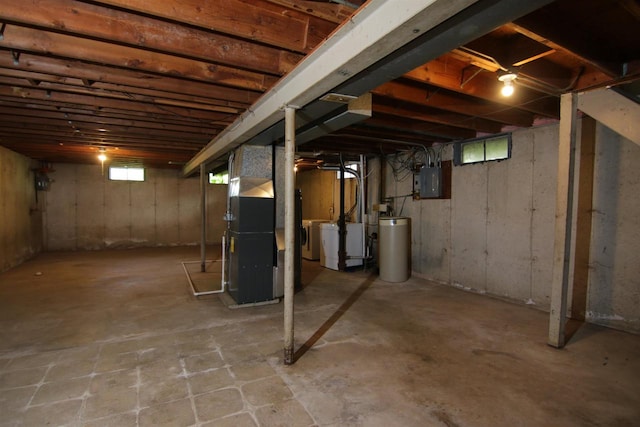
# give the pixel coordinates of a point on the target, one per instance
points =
(203, 214)
(289, 230)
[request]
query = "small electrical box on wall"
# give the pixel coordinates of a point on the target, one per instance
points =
(42, 181)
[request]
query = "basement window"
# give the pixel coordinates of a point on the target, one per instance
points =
(219, 178)
(482, 150)
(126, 174)
(348, 175)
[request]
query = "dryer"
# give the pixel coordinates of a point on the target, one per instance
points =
(311, 248)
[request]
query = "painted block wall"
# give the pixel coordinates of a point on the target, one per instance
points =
(614, 282)
(20, 213)
(495, 236)
(87, 211)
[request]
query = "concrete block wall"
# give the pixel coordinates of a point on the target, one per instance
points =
(495, 236)
(613, 297)
(20, 212)
(85, 210)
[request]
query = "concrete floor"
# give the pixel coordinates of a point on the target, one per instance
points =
(115, 338)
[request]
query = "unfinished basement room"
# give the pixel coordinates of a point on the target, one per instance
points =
(320, 213)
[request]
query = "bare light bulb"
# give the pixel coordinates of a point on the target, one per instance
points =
(507, 79)
(102, 157)
(507, 89)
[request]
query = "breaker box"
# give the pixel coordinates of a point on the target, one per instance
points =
(428, 183)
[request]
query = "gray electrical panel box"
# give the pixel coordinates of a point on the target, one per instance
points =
(430, 182)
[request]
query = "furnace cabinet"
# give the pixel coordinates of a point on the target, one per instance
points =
(251, 240)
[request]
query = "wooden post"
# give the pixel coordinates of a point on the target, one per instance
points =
(583, 220)
(563, 251)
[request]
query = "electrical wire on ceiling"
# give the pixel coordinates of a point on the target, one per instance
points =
(402, 164)
(405, 163)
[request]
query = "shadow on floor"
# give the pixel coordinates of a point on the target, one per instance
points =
(334, 317)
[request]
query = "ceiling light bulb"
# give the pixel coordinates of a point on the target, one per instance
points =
(102, 156)
(507, 79)
(507, 89)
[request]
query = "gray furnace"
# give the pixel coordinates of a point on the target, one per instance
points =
(251, 239)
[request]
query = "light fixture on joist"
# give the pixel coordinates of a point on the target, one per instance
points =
(507, 79)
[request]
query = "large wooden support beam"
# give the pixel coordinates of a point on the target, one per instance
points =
(612, 110)
(583, 218)
(563, 248)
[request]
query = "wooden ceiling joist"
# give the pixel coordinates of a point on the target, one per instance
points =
(155, 119)
(12, 121)
(91, 138)
(63, 69)
(448, 73)
(441, 99)
(255, 21)
(128, 29)
(425, 114)
(149, 97)
(175, 74)
(60, 45)
(67, 84)
(97, 102)
(434, 130)
(30, 115)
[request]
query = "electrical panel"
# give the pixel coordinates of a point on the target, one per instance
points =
(430, 182)
(42, 181)
(427, 183)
